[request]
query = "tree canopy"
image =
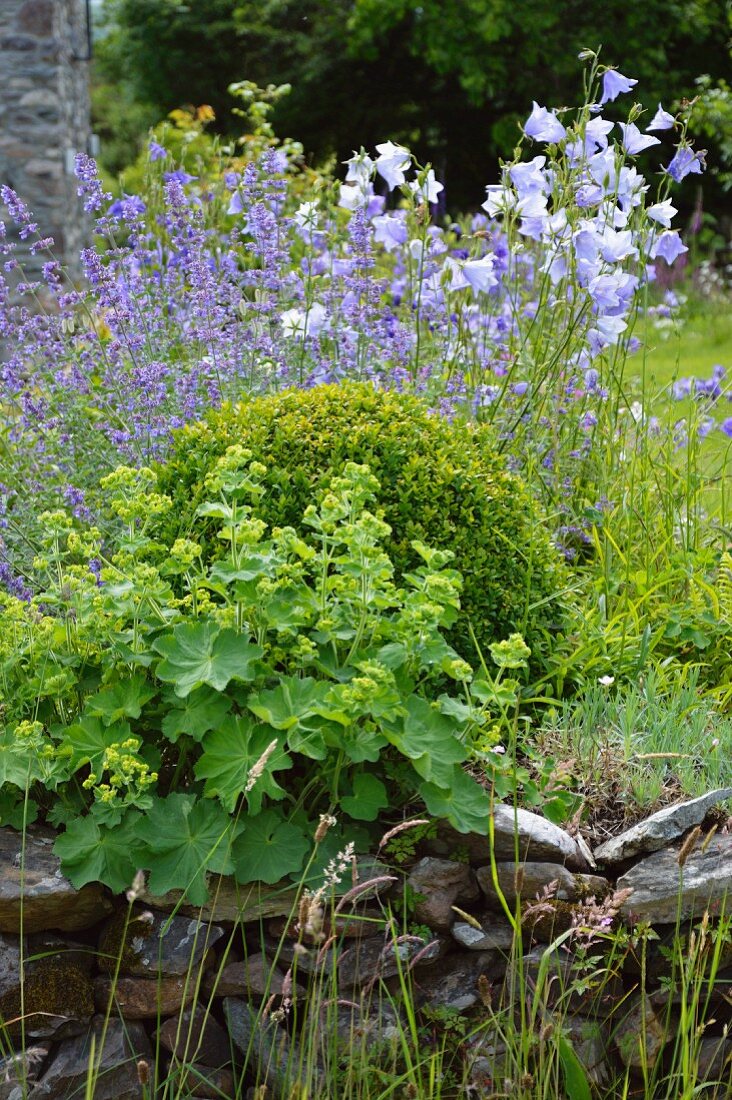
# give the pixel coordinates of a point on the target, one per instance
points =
(452, 78)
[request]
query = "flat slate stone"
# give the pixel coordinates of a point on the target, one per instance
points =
(538, 840)
(195, 1036)
(31, 882)
(662, 890)
(117, 1077)
(660, 829)
(270, 1055)
(143, 998)
(498, 936)
(455, 985)
(253, 976)
(156, 945)
(230, 903)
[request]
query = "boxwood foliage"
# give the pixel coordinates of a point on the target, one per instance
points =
(442, 483)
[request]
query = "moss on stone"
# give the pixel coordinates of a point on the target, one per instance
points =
(53, 987)
(116, 950)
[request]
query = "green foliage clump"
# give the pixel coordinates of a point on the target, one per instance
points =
(182, 716)
(441, 483)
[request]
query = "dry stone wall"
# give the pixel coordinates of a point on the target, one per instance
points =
(219, 989)
(44, 111)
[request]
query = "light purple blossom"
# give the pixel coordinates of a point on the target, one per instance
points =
(392, 163)
(685, 162)
(668, 246)
(480, 274)
(662, 212)
(390, 230)
(615, 84)
(543, 125)
(596, 134)
(662, 120)
(634, 141)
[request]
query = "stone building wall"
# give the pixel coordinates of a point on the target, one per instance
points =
(44, 111)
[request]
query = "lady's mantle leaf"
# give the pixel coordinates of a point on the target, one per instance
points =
(125, 699)
(202, 653)
(202, 711)
(184, 838)
(269, 848)
(230, 753)
(17, 765)
(90, 737)
(90, 853)
(368, 798)
(290, 702)
(428, 739)
(465, 805)
(295, 705)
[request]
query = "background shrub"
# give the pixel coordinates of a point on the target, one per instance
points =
(443, 483)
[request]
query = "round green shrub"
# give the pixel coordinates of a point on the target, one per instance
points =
(441, 482)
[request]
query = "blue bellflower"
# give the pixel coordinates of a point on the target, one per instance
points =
(662, 120)
(634, 141)
(615, 84)
(685, 162)
(543, 125)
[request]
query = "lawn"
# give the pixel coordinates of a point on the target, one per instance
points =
(691, 346)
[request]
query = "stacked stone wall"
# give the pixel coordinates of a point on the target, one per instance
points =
(44, 111)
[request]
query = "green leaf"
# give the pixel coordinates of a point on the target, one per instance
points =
(125, 699)
(359, 742)
(295, 705)
(14, 811)
(576, 1084)
(466, 805)
(215, 509)
(290, 608)
(92, 853)
(89, 739)
(293, 699)
(251, 567)
(368, 799)
(269, 848)
(202, 653)
(427, 737)
(184, 838)
(18, 763)
(393, 655)
(203, 710)
(230, 752)
(458, 710)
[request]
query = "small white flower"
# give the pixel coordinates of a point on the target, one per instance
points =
(606, 681)
(429, 189)
(306, 215)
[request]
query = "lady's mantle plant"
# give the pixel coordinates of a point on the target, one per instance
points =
(184, 719)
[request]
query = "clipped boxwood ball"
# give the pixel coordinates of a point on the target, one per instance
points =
(441, 482)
